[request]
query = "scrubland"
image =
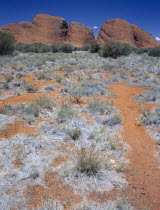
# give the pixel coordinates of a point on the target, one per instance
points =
(79, 131)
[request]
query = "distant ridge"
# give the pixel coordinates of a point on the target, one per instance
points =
(49, 29)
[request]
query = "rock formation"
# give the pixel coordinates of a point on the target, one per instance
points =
(121, 31)
(143, 38)
(79, 35)
(116, 29)
(48, 29)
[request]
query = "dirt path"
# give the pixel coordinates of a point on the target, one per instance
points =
(142, 174)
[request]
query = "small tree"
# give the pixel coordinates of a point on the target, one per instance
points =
(94, 48)
(7, 42)
(115, 49)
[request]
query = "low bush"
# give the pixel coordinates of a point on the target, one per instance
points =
(155, 52)
(26, 110)
(94, 48)
(75, 133)
(153, 96)
(36, 48)
(98, 106)
(43, 102)
(114, 49)
(7, 42)
(66, 48)
(6, 85)
(22, 47)
(65, 112)
(92, 88)
(33, 109)
(42, 75)
(54, 48)
(112, 120)
(8, 77)
(45, 49)
(30, 87)
(85, 48)
(42, 48)
(76, 91)
(89, 161)
(150, 117)
(58, 78)
(139, 51)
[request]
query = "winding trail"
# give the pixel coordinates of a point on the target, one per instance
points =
(142, 173)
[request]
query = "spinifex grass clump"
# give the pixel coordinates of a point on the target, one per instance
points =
(76, 91)
(30, 87)
(98, 106)
(65, 112)
(42, 76)
(75, 133)
(89, 160)
(8, 77)
(43, 102)
(150, 117)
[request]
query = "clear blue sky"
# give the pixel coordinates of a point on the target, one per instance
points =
(143, 13)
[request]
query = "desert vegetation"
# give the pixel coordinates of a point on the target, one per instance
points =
(7, 42)
(69, 119)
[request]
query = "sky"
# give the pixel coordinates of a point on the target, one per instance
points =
(92, 13)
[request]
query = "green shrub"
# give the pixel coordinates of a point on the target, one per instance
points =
(25, 48)
(44, 49)
(139, 51)
(115, 49)
(36, 48)
(21, 47)
(54, 48)
(66, 48)
(85, 48)
(7, 42)
(94, 48)
(154, 52)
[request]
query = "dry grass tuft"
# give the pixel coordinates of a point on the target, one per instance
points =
(43, 102)
(89, 160)
(30, 87)
(75, 133)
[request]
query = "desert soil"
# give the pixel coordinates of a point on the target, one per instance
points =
(142, 173)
